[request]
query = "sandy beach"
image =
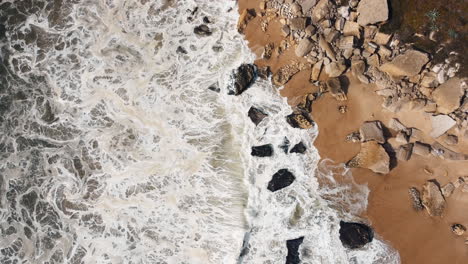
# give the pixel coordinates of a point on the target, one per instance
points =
(418, 237)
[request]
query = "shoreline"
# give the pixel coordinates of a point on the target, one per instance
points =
(418, 237)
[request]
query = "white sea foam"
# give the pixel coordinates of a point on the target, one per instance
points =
(166, 174)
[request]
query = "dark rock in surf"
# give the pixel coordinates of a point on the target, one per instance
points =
(202, 30)
(355, 235)
(214, 87)
(282, 179)
(181, 50)
(299, 148)
(262, 151)
(256, 115)
(243, 77)
(285, 145)
(293, 250)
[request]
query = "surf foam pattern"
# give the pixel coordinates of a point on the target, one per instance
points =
(115, 151)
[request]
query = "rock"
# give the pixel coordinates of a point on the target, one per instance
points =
(372, 130)
(304, 47)
(285, 31)
(285, 145)
(300, 120)
(256, 115)
(451, 140)
(244, 19)
(352, 29)
(445, 153)
(296, 9)
(448, 95)
(262, 151)
(458, 229)
(202, 30)
(370, 32)
(374, 60)
(335, 69)
(415, 134)
(310, 30)
(330, 35)
(432, 199)
(408, 64)
(441, 124)
(316, 69)
(346, 42)
(298, 23)
(307, 5)
(459, 182)
(421, 149)
(404, 152)
(371, 156)
(358, 67)
(384, 53)
(464, 188)
(355, 235)
(382, 38)
(402, 137)
(448, 189)
(320, 11)
(429, 80)
(298, 148)
(415, 197)
(372, 11)
(268, 50)
(284, 74)
(243, 77)
(334, 86)
(353, 137)
(325, 46)
(293, 250)
(281, 179)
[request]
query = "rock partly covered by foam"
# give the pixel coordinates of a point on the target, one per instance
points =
(448, 95)
(432, 198)
(372, 12)
(256, 115)
(298, 148)
(407, 64)
(281, 179)
(371, 156)
(262, 151)
(293, 245)
(243, 77)
(372, 130)
(355, 235)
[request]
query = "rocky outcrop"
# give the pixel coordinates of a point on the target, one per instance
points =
(281, 179)
(372, 12)
(298, 148)
(441, 124)
(432, 198)
(243, 78)
(448, 95)
(407, 64)
(372, 130)
(262, 151)
(421, 149)
(256, 115)
(355, 235)
(371, 156)
(293, 245)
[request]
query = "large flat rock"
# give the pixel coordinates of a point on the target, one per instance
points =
(372, 12)
(441, 124)
(407, 64)
(432, 199)
(371, 156)
(448, 95)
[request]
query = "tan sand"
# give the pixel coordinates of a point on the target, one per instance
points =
(418, 237)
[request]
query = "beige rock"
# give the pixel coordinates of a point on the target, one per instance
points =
(382, 38)
(346, 42)
(402, 137)
(371, 156)
(296, 9)
(384, 52)
(325, 46)
(244, 19)
(404, 152)
(358, 67)
(335, 69)
(330, 35)
(448, 189)
(307, 5)
(372, 131)
(374, 60)
(321, 10)
(432, 199)
(458, 229)
(459, 182)
(415, 197)
(352, 29)
(304, 47)
(285, 30)
(316, 69)
(421, 149)
(284, 74)
(441, 124)
(429, 80)
(445, 153)
(334, 86)
(372, 11)
(310, 30)
(396, 125)
(448, 95)
(451, 140)
(298, 23)
(408, 64)
(369, 32)
(416, 134)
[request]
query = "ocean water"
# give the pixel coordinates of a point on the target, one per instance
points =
(113, 150)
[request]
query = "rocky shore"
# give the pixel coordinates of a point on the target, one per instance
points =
(383, 108)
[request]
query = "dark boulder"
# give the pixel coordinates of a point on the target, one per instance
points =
(256, 115)
(285, 145)
(293, 250)
(262, 151)
(299, 148)
(282, 179)
(264, 72)
(202, 30)
(300, 120)
(355, 235)
(243, 77)
(214, 87)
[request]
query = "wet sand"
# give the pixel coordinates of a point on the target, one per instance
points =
(417, 237)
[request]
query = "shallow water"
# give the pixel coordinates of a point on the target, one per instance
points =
(115, 151)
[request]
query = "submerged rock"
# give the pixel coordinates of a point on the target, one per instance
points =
(299, 148)
(432, 198)
(262, 151)
(256, 115)
(244, 77)
(281, 179)
(371, 156)
(355, 235)
(293, 250)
